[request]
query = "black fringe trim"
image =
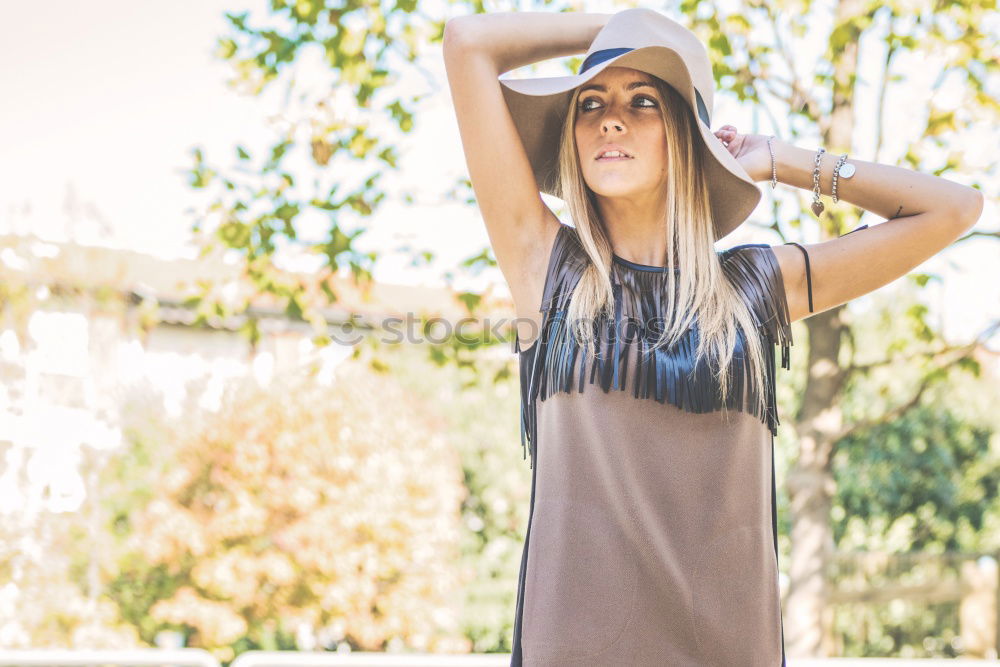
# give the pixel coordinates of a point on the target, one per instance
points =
(666, 375)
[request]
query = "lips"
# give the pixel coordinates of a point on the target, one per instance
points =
(607, 148)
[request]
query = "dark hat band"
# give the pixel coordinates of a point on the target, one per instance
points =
(599, 56)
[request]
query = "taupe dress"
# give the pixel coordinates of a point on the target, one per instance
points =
(652, 531)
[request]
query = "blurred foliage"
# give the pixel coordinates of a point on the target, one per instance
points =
(295, 503)
(44, 601)
(929, 485)
(920, 486)
(335, 140)
(481, 408)
(927, 479)
(901, 628)
(177, 562)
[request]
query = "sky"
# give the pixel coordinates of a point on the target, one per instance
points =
(103, 108)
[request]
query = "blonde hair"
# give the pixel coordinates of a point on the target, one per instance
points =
(703, 287)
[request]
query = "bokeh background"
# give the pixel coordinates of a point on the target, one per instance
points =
(209, 212)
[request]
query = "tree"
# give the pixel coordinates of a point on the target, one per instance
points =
(916, 499)
(295, 504)
(343, 134)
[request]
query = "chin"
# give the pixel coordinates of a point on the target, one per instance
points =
(617, 189)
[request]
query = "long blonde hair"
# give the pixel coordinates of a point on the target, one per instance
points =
(703, 288)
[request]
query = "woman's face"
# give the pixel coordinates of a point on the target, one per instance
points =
(621, 106)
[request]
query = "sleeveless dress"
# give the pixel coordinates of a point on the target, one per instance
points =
(652, 529)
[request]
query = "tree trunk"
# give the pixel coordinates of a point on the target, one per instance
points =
(811, 488)
(809, 624)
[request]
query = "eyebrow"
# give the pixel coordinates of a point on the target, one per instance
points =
(604, 89)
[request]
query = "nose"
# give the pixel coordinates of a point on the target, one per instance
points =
(612, 120)
(608, 123)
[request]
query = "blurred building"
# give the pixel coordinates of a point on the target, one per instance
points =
(82, 326)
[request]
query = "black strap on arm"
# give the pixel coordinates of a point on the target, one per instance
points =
(809, 283)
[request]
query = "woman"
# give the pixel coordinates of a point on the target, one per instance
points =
(647, 358)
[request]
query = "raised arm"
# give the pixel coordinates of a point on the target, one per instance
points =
(477, 49)
(926, 214)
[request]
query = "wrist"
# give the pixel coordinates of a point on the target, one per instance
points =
(795, 166)
(783, 162)
(762, 172)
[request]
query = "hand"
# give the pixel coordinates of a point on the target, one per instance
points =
(750, 150)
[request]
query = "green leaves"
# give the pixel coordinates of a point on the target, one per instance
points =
(921, 279)
(341, 147)
(927, 459)
(236, 234)
(939, 122)
(238, 20)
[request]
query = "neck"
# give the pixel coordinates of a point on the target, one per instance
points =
(635, 228)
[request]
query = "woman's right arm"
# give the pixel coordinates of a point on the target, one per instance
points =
(477, 49)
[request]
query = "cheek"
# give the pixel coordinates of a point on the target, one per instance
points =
(582, 144)
(653, 131)
(655, 137)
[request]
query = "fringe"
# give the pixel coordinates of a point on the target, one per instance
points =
(665, 375)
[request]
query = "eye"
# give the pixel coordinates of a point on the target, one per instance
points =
(583, 108)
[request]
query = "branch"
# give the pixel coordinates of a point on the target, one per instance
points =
(968, 351)
(797, 96)
(783, 49)
(977, 344)
(932, 355)
(880, 111)
(898, 411)
(995, 235)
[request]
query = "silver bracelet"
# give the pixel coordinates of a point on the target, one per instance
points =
(774, 171)
(836, 172)
(817, 205)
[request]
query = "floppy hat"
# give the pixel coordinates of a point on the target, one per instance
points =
(646, 40)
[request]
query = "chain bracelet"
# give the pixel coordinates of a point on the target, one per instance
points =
(817, 205)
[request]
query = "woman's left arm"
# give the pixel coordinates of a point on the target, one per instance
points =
(926, 214)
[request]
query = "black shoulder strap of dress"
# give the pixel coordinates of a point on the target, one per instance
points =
(809, 282)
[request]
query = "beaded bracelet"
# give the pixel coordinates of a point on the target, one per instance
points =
(836, 173)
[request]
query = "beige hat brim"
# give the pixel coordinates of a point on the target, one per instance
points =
(539, 107)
